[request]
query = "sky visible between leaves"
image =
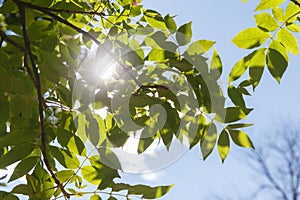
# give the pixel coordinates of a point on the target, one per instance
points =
(220, 21)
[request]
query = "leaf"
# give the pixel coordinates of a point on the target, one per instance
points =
(154, 19)
(266, 4)
(147, 192)
(223, 145)
(256, 66)
(291, 12)
(18, 137)
(170, 23)
(278, 13)
(276, 63)
(288, 40)
(234, 114)
(240, 138)
(199, 47)
(17, 153)
(95, 197)
(24, 167)
(216, 65)
(65, 157)
(64, 175)
(91, 174)
(238, 125)
(266, 22)
(236, 96)
(250, 38)
(22, 189)
(208, 141)
(238, 69)
(184, 34)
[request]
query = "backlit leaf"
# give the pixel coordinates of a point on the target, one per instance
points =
(184, 34)
(240, 138)
(223, 145)
(250, 38)
(265, 4)
(288, 40)
(266, 22)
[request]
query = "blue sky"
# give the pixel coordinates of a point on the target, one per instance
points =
(220, 21)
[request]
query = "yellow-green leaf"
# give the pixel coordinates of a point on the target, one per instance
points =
(240, 138)
(223, 145)
(199, 47)
(266, 4)
(288, 40)
(266, 22)
(184, 34)
(250, 38)
(276, 63)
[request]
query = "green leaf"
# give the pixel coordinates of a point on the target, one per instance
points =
(288, 40)
(24, 167)
(238, 69)
(17, 153)
(95, 197)
(200, 47)
(278, 13)
(147, 192)
(8, 7)
(154, 19)
(65, 157)
(216, 66)
(250, 38)
(18, 137)
(280, 48)
(91, 174)
(236, 96)
(256, 66)
(64, 175)
(240, 138)
(238, 125)
(234, 114)
(170, 23)
(266, 22)
(223, 145)
(208, 141)
(22, 189)
(276, 63)
(291, 12)
(184, 34)
(266, 4)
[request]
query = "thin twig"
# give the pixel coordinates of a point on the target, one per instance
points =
(32, 6)
(40, 96)
(56, 17)
(9, 40)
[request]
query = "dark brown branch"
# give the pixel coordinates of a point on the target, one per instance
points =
(9, 40)
(28, 5)
(56, 17)
(6, 38)
(40, 96)
(296, 2)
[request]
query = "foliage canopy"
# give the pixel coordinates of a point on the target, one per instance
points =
(53, 59)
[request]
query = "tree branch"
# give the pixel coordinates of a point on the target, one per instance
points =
(56, 17)
(296, 2)
(32, 6)
(40, 95)
(9, 40)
